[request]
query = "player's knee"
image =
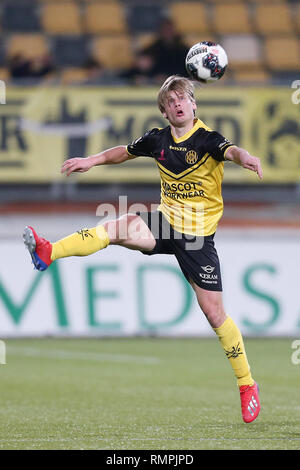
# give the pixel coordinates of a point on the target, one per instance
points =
(113, 231)
(214, 311)
(118, 230)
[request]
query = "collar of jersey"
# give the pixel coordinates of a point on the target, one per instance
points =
(187, 135)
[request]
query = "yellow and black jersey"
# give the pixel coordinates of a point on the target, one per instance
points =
(191, 171)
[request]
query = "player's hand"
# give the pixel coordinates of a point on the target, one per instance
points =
(252, 163)
(241, 157)
(78, 164)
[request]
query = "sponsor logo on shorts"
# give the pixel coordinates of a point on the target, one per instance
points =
(208, 277)
(208, 269)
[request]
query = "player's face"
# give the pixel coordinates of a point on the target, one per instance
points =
(179, 108)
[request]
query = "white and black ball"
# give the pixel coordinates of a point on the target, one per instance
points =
(206, 62)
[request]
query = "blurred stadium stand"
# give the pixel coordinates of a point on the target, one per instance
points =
(110, 32)
(70, 51)
(262, 27)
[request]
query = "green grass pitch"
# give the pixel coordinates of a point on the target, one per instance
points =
(144, 393)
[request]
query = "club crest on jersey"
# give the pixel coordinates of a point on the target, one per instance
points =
(191, 157)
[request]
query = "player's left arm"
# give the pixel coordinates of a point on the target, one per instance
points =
(243, 158)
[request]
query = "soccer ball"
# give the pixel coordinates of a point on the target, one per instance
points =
(206, 61)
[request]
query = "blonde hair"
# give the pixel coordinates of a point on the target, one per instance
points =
(175, 83)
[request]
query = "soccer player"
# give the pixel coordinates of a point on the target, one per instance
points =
(190, 158)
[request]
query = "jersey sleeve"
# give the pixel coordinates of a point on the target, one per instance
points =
(144, 146)
(216, 145)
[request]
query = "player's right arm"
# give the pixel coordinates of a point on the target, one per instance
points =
(110, 156)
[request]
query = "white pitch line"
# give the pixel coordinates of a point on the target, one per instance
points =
(80, 356)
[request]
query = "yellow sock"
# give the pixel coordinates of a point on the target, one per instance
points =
(231, 339)
(82, 243)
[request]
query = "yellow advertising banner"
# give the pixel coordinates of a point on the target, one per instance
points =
(43, 126)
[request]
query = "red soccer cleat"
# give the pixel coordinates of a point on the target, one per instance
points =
(250, 402)
(40, 249)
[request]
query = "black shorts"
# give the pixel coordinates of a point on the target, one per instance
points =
(197, 256)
